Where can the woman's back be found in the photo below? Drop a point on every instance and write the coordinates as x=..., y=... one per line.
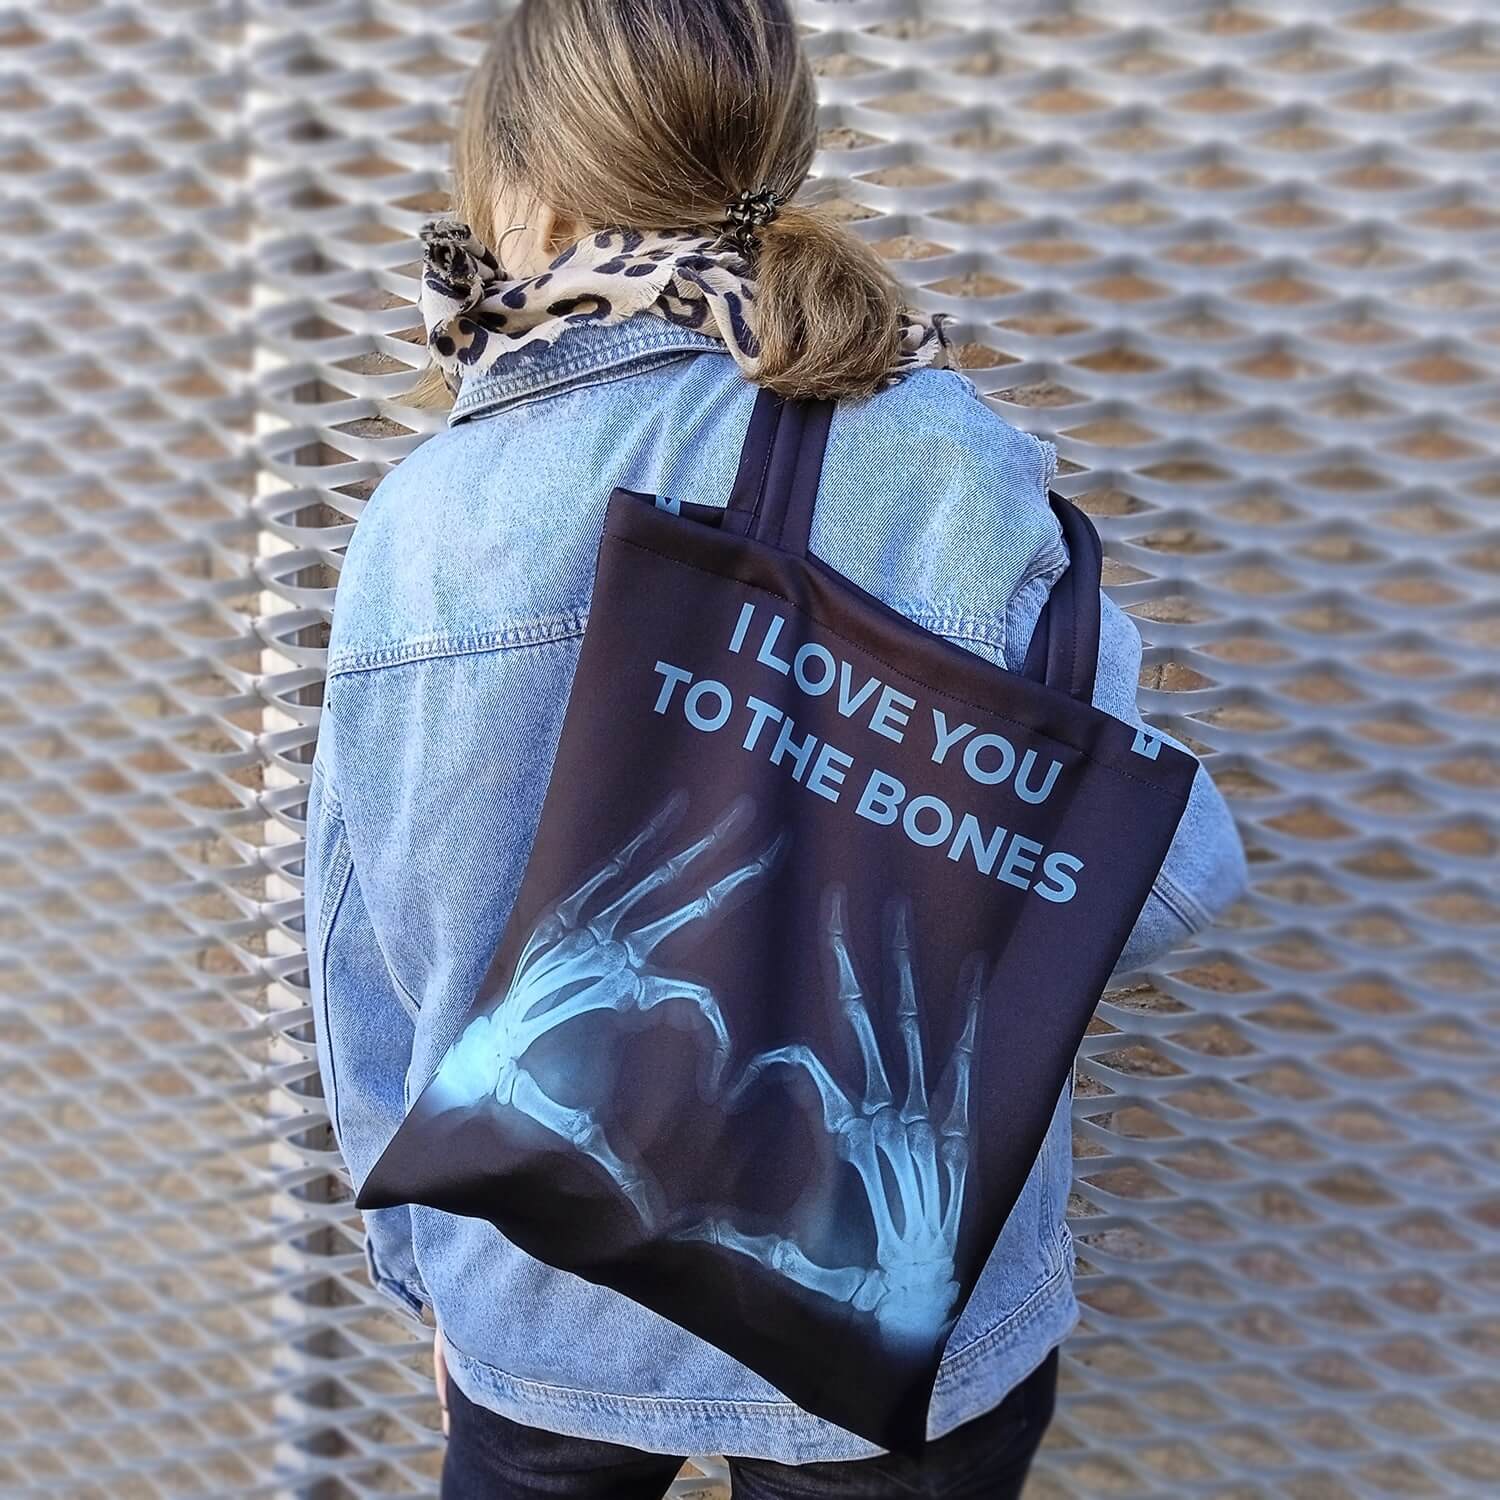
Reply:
x=456, y=631
x=928, y=499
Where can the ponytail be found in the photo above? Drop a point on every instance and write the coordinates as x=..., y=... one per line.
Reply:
x=654, y=115
x=827, y=310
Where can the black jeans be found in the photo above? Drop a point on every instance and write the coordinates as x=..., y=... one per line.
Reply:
x=491, y=1457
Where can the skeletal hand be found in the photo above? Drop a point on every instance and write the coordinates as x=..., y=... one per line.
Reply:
x=911, y=1287
x=571, y=966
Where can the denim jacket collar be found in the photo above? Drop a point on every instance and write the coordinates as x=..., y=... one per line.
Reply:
x=579, y=356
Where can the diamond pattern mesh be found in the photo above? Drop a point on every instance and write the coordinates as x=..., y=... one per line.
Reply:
x=1238, y=260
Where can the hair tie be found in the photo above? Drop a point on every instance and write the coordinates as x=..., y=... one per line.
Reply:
x=750, y=209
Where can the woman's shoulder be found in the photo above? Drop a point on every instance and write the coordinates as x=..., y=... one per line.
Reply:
x=929, y=488
x=929, y=499
x=942, y=412
x=428, y=561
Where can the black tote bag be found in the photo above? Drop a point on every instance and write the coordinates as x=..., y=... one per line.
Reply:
x=818, y=909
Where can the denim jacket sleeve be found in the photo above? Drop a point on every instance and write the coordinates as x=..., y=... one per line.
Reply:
x=1204, y=871
x=362, y=1058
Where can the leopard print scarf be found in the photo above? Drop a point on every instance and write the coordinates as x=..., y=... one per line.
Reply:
x=476, y=317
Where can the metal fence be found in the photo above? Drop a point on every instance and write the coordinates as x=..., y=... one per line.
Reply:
x=1241, y=261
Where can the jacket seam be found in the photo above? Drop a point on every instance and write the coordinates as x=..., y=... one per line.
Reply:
x=662, y=335
x=344, y=869
x=409, y=1001
x=1049, y=557
x=440, y=643
x=965, y=624
x=959, y=1359
x=1046, y=461
x=404, y=997
x=1181, y=903
x=646, y=358
x=319, y=776
x=560, y=371
x=403, y=1292
x=970, y=632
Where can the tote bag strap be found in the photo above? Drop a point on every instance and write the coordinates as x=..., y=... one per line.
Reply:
x=777, y=480
x=1064, y=649
x=772, y=499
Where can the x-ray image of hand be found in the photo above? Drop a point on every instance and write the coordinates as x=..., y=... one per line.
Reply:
x=910, y=1288
x=573, y=964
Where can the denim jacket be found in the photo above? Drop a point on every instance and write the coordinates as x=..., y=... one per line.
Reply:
x=456, y=629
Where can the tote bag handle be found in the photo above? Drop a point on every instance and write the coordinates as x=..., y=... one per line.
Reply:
x=772, y=499
x=1064, y=649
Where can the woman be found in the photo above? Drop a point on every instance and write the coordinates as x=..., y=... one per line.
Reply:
x=637, y=266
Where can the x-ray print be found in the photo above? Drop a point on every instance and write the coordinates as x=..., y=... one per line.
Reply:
x=591, y=953
x=914, y=1206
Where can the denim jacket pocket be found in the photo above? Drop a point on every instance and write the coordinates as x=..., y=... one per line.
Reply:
x=362, y=1028
x=363, y=1018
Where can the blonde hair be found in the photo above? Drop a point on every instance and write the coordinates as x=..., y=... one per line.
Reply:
x=654, y=114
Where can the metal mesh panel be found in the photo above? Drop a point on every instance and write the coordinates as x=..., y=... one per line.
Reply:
x=1239, y=261
x=139, y=1325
